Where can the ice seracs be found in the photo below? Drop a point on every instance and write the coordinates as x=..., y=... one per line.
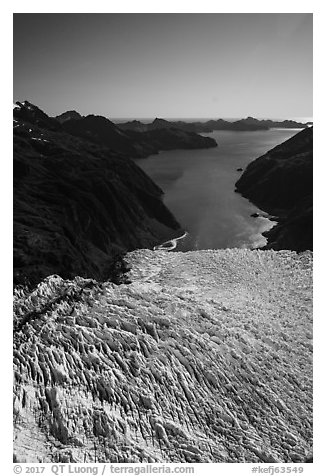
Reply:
x=203, y=357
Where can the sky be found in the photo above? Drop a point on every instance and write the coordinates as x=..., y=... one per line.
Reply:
x=166, y=65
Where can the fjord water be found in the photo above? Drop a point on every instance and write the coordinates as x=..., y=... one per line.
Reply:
x=199, y=188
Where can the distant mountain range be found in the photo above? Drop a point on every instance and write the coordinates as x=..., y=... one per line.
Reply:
x=248, y=124
x=133, y=142
x=281, y=183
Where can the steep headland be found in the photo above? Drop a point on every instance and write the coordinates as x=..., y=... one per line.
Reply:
x=77, y=205
x=281, y=183
x=203, y=357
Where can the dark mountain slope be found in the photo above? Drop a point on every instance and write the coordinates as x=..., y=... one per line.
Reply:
x=281, y=182
x=77, y=205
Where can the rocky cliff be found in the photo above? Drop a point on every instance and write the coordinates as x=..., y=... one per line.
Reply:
x=203, y=357
x=281, y=183
x=77, y=205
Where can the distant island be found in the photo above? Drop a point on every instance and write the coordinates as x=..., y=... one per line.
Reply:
x=248, y=124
